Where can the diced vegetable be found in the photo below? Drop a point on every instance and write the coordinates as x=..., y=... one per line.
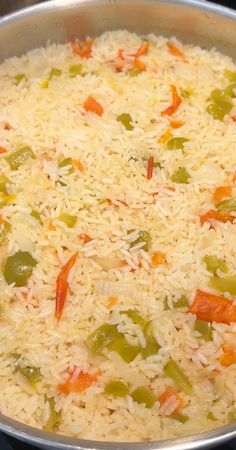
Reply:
x=54, y=416
x=224, y=284
x=176, y=143
x=5, y=228
x=19, y=77
x=78, y=383
x=6, y=199
x=182, y=418
x=85, y=237
x=165, y=304
x=230, y=90
x=134, y=72
x=230, y=75
x=32, y=374
x=36, y=215
x=67, y=162
x=142, y=50
x=229, y=356
x=176, y=123
x=210, y=416
x=2, y=150
x=180, y=176
x=145, y=237
x=221, y=104
x=151, y=347
x=165, y=137
x=117, y=389
x=3, y=184
x=143, y=395
x=44, y=84
x=138, y=64
x=126, y=351
x=213, y=264
x=17, y=158
x=212, y=215
x=18, y=268
x=82, y=48
x=227, y=205
x=68, y=219
x=135, y=317
x=62, y=286
x=150, y=167
x=182, y=302
x=213, y=308
x=75, y=69
x=126, y=120
x=232, y=416
x=158, y=258
x=222, y=192
x=55, y=73
x=79, y=165
x=186, y=92
x=92, y=105
x=100, y=338
x=204, y=329
x=175, y=51
x=170, y=401
x=175, y=373
x=176, y=102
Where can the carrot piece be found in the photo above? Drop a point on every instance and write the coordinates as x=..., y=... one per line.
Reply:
x=138, y=64
x=234, y=118
x=165, y=137
x=212, y=215
x=176, y=101
x=92, y=105
x=229, y=356
x=176, y=123
x=222, y=192
x=170, y=188
x=234, y=177
x=150, y=167
x=78, y=384
x=85, y=237
x=158, y=258
x=120, y=54
x=175, y=51
x=142, y=50
x=62, y=286
x=2, y=150
x=112, y=301
x=170, y=401
x=82, y=48
x=7, y=126
x=79, y=165
x=213, y=308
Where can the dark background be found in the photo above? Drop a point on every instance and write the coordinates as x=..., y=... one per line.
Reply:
x=6, y=6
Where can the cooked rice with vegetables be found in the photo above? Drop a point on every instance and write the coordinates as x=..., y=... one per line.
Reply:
x=118, y=237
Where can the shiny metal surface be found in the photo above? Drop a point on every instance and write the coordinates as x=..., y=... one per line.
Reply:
x=193, y=21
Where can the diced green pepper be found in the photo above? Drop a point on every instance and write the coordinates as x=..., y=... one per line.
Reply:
x=232, y=416
x=182, y=418
x=134, y=316
x=36, y=215
x=213, y=264
x=67, y=162
x=226, y=205
x=32, y=374
x=126, y=120
x=5, y=228
x=55, y=73
x=19, y=77
x=17, y=158
x=68, y=219
x=100, y=338
x=224, y=284
x=75, y=69
x=186, y=92
x=145, y=237
x=3, y=184
x=230, y=75
x=176, y=143
x=182, y=302
x=173, y=371
x=54, y=416
x=44, y=84
x=204, y=329
x=210, y=416
x=151, y=347
x=143, y=395
x=230, y=90
x=134, y=72
x=126, y=351
x=18, y=268
x=117, y=389
x=180, y=176
x=219, y=97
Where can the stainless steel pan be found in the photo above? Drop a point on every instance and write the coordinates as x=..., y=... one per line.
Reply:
x=193, y=21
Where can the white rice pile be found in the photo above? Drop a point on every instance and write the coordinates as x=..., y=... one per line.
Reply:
x=111, y=197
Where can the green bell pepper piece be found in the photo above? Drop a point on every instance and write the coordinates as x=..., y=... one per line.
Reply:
x=18, y=268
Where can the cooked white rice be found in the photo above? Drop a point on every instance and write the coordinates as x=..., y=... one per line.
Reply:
x=53, y=122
